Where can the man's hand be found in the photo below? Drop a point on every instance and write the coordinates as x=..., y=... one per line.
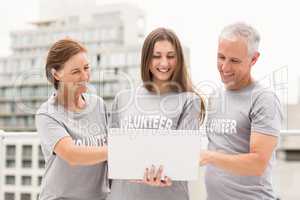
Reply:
x=205, y=157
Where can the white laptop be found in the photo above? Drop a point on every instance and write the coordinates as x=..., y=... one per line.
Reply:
x=131, y=151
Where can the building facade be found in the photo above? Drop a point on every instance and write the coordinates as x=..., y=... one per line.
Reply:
x=113, y=36
x=22, y=166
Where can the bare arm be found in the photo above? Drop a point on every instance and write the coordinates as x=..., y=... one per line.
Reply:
x=79, y=155
x=253, y=163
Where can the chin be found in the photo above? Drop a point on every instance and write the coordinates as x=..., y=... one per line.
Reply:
x=230, y=85
x=164, y=78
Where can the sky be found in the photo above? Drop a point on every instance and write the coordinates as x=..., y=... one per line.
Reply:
x=198, y=23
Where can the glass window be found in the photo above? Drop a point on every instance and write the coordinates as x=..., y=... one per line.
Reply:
x=10, y=163
x=27, y=151
x=9, y=196
x=25, y=196
x=26, y=163
x=10, y=151
x=26, y=180
x=40, y=178
x=26, y=156
x=10, y=180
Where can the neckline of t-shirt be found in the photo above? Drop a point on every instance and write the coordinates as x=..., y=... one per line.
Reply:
x=249, y=87
x=74, y=113
x=144, y=90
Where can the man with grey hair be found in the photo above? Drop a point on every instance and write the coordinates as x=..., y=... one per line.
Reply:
x=243, y=123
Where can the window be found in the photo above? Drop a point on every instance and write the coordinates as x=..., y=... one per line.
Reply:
x=10, y=156
x=10, y=151
x=10, y=163
x=12, y=106
x=26, y=156
x=9, y=92
x=10, y=180
x=292, y=155
x=25, y=196
x=9, y=196
x=27, y=151
x=26, y=163
x=41, y=163
x=26, y=180
x=40, y=178
x=1, y=89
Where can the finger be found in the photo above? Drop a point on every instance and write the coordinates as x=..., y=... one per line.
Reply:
x=146, y=175
x=158, y=175
x=152, y=174
x=167, y=182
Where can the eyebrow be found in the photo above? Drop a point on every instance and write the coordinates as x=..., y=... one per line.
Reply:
x=167, y=52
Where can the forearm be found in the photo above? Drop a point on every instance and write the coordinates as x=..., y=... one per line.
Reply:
x=82, y=155
x=248, y=164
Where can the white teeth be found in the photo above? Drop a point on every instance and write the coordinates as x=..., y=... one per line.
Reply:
x=164, y=70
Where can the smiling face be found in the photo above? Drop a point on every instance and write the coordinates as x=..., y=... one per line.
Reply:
x=234, y=63
x=74, y=76
x=163, y=62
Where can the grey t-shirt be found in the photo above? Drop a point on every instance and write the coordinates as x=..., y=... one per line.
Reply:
x=232, y=117
x=141, y=109
x=86, y=128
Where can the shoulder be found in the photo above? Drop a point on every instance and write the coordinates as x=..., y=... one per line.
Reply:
x=94, y=98
x=260, y=94
x=49, y=107
x=190, y=97
x=126, y=95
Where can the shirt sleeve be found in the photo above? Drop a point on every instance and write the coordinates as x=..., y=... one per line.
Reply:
x=50, y=132
x=190, y=117
x=266, y=115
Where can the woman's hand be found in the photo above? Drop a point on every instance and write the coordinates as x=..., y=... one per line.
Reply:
x=154, y=177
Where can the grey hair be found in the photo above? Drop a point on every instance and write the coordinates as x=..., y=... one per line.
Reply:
x=247, y=32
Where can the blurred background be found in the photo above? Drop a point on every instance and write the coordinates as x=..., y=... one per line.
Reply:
x=113, y=31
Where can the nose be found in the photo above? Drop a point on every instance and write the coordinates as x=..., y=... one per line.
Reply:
x=164, y=61
x=225, y=66
x=85, y=75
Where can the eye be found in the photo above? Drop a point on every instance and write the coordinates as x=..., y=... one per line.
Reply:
x=86, y=68
x=221, y=57
x=171, y=56
x=75, y=72
x=235, y=61
x=155, y=56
